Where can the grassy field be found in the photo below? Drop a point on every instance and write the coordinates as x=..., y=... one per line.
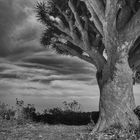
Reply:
x=10, y=131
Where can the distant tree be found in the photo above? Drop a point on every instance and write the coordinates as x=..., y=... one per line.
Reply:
x=55, y=111
x=90, y=28
x=29, y=112
x=6, y=112
x=19, y=115
x=3, y=110
x=72, y=106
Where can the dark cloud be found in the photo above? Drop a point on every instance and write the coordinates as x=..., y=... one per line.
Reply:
x=9, y=18
x=62, y=65
x=28, y=34
x=60, y=68
x=18, y=26
x=9, y=76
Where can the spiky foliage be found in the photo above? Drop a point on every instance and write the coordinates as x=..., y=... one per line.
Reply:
x=62, y=33
x=73, y=28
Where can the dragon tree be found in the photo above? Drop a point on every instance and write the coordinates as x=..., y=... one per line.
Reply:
x=106, y=34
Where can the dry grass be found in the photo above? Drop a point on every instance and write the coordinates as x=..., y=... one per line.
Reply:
x=11, y=131
x=116, y=133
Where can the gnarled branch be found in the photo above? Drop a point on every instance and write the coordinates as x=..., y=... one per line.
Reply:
x=98, y=58
x=62, y=27
x=90, y=50
x=99, y=9
x=132, y=30
x=80, y=27
x=77, y=18
x=75, y=53
x=112, y=7
x=95, y=18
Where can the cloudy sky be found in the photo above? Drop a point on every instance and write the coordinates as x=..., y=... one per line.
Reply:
x=36, y=75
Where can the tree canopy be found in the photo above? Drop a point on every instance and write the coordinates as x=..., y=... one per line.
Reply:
x=75, y=27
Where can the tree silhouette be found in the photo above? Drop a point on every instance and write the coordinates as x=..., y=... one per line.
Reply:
x=89, y=29
x=72, y=106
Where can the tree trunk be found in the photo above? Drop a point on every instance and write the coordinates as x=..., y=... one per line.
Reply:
x=116, y=97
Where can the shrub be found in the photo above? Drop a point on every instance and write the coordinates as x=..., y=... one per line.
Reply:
x=29, y=112
x=72, y=106
x=6, y=112
x=19, y=116
x=24, y=113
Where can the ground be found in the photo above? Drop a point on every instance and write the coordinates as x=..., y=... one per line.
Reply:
x=37, y=131
x=32, y=131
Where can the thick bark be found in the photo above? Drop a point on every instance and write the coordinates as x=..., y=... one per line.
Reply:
x=116, y=97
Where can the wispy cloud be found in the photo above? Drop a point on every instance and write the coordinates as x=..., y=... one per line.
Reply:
x=47, y=76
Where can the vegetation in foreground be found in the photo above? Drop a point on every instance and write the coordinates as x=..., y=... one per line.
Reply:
x=37, y=131
x=24, y=123
x=69, y=114
x=25, y=128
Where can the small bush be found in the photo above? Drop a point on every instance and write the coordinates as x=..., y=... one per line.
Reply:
x=24, y=113
x=72, y=106
x=6, y=112
x=29, y=112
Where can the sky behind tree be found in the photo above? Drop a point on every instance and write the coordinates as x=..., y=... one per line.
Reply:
x=30, y=72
